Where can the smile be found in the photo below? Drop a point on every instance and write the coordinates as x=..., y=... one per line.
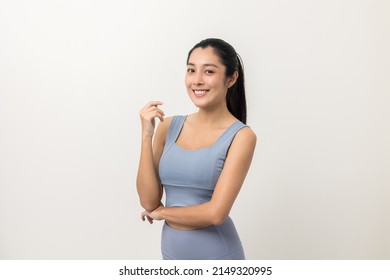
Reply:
x=200, y=92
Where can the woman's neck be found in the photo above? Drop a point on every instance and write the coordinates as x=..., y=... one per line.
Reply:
x=210, y=118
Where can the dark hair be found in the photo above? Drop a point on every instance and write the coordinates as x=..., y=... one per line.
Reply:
x=235, y=98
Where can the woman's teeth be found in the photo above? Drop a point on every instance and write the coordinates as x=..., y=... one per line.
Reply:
x=200, y=92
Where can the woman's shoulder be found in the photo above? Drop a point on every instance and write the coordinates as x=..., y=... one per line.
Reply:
x=243, y=144
x=168, y=120
x=163, y=126
x=246, y=136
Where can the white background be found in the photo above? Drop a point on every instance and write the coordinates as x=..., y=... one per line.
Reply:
x=74, y=74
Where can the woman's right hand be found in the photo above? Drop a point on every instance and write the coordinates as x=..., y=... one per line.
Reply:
x=148, y=114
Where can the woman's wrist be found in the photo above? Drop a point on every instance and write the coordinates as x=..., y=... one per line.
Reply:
x=160, y=212
x=147, y=137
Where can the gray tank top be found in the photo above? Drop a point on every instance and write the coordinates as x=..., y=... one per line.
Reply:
x=189, y=176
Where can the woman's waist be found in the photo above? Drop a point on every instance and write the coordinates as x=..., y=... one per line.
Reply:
x=226, y=224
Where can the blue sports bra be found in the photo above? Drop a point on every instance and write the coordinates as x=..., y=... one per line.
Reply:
x=189, y=176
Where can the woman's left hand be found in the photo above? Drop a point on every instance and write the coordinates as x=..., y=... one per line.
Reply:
x=154, y=215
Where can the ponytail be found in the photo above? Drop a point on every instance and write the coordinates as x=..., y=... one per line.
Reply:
x=235, y=98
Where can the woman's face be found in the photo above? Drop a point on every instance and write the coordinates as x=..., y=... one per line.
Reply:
x=205, y=79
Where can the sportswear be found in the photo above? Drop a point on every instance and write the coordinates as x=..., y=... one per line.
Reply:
x=189, y=178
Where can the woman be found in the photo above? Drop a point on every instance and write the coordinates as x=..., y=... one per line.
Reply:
x=200, y=160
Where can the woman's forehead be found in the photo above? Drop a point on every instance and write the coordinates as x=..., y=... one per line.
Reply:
x=202, y=56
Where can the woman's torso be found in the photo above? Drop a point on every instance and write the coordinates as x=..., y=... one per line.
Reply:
x=189, y=178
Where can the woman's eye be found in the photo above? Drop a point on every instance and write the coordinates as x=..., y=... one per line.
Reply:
x=189, y=70
x=209, y=72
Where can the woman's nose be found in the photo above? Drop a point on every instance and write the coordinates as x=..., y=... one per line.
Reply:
x=198, y=79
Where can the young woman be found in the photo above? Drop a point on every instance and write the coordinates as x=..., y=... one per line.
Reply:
x=200, y=160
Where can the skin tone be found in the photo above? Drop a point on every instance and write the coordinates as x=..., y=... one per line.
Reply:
x=207, y=87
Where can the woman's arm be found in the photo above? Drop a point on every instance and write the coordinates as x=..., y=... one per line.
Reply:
x=148, y=184
x=228, y=186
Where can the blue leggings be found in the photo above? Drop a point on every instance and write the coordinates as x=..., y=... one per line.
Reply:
x=220, y=242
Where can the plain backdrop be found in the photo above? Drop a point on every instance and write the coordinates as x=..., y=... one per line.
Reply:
x=74, y=75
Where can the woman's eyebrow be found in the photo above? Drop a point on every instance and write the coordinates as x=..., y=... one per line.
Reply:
x=206, y=64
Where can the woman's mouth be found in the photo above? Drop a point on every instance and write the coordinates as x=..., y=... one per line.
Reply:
x=200, y=92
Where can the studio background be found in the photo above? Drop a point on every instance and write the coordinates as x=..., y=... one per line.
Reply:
x=74, y=75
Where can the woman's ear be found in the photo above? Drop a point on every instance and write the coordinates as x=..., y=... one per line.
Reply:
x=232, y=79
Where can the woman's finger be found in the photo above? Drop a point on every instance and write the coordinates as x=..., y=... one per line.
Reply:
x=155, y=103
x=148, y=114
x=152, y=110
x=152, y=104
x=151, y=113
x=146, y=214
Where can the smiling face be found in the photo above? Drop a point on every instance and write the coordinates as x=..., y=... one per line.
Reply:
x=205, y=80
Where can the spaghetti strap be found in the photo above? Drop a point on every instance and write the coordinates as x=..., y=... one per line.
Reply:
x=227, y=137
x=174, y=131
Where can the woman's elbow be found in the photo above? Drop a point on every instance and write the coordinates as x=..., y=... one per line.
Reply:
x=149, y=206
x=218, y=217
